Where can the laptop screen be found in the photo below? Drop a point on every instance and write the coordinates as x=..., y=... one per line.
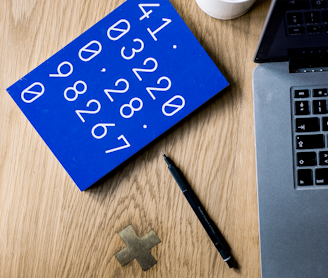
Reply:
x=295, y=28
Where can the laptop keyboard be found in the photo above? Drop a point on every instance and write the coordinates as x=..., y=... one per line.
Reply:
x=305, y=17
x=310, y=136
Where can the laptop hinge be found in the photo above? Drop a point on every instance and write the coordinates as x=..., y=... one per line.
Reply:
x=308, y=60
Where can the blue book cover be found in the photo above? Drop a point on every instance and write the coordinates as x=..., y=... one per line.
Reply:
x=117, y=87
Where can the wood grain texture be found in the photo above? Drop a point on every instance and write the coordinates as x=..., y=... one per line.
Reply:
x=48, y=228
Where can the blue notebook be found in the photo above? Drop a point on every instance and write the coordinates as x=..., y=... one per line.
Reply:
x=117, y=87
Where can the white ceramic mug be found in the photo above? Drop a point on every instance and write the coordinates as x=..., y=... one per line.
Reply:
x=225, y=9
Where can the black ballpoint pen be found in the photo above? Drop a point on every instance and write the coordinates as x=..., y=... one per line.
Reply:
x=207, y=223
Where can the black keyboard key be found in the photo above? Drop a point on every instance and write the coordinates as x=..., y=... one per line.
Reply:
x=312, y=17
x=296, y=30
x=301, y=93
x=315, y=29
x=298, y=4
x=319, y=106
x=321, y=176
x=304, y=142
x=318, y=4
x=320, y=92
x=306, y=159
x=325, y=124
x=324, y=16
x=307, y=124
x=305, y=177
x=302, y=108
x=294, y=18
x=323, y=158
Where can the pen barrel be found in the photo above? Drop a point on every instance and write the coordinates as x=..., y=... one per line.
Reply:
x=209, y=226
x=177, y=175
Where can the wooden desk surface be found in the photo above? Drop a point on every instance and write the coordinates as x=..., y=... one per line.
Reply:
x=48, y=228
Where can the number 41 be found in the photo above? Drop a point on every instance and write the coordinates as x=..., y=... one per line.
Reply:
x=146, y=15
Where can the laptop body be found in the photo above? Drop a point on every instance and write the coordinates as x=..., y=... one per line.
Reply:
x=291, y=118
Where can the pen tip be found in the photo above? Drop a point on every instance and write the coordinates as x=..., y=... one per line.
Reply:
x=166, y=159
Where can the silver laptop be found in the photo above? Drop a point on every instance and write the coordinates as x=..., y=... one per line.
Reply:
x=290, y=87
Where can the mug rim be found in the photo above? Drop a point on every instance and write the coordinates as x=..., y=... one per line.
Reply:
x=235, y=1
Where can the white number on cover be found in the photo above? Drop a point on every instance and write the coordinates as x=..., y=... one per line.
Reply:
x=36, y=94
x=75, y=90
x=130, y=106
x=107, y=91
x=79, y=112
x=134, y=51
x=59, y=70
x=176, y=106
x=146, y=14
x=88, y=50
x=166, y=20
x=119, y=30
x=127, y=144
x=151, y=89
x=136, y=70
x=104, y=127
